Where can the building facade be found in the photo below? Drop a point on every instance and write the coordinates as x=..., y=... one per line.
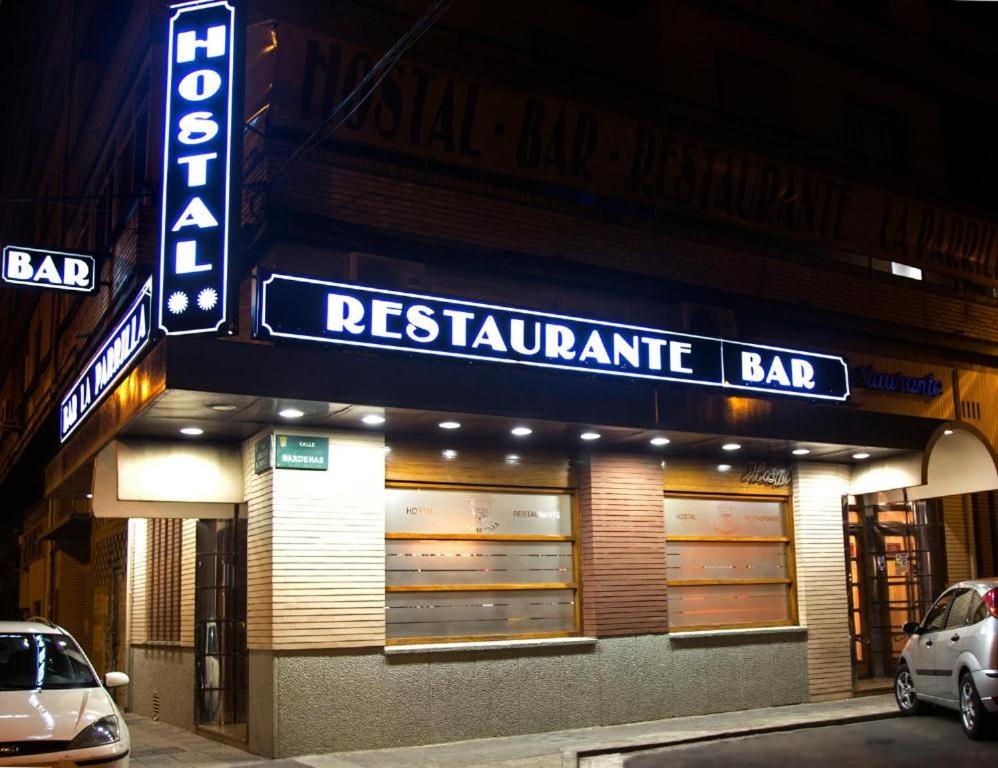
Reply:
x=609, y=362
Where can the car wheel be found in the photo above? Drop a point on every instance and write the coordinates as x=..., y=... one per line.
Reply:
x=904, y=693
x=974, y=717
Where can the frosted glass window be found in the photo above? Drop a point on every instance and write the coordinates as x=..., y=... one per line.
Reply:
x=742, y=604
x=432, y=511
x=719, y=574
x=465, y=565
x=478, y=562
x=723, y=517
x=475, y=614
x=689, y=560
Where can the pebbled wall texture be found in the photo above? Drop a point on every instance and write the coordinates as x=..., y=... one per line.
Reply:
x=362, y=700
x=168, y=672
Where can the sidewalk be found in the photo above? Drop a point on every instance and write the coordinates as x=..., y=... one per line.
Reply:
x=157, y=745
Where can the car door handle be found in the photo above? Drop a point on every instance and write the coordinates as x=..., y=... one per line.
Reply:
x=955, y=638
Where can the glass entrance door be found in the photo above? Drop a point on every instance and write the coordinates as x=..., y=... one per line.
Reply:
x=895, y=568
x=220, y=626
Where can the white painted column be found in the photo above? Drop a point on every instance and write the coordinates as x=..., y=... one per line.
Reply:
x=821, y=576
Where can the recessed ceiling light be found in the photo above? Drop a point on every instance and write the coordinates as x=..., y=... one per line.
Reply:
x=373, y=419
x=89, y=495
x=223, y=407
x=521, y=431
x=800, y=451
x=449, y=454
x=590, y=435
x=723, y=467
x=731, y=447
x=290, y=413
x=192, y=431
x=659, y=441
x=947, y=431
x=449, y=425
x=861, y=456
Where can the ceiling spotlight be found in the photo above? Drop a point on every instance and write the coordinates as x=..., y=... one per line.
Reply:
x=723, y=467
x=192, y=431
x=731, y=447
x=222, y=407
x=861, y=456
x=521, y=431
x=590, y=435
x=800, y=451
x=449, y=454
x=89, y=495
x=373, y=419
x=449, y=425
x=947, y=431
x=659, y=441
x=290, y=413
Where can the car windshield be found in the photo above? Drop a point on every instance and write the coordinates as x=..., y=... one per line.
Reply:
x=31, y=661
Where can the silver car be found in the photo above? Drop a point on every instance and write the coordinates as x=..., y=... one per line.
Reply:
x=951, y=658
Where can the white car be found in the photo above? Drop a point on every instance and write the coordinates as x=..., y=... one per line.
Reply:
x=54, y=709
x=951, y=658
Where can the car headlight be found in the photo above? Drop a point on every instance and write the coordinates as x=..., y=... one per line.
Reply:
x=97, y=734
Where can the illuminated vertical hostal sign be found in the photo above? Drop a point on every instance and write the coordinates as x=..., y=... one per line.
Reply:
x=197, y=163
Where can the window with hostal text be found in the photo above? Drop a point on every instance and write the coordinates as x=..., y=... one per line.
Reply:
x=479, y=564
x=729, y=562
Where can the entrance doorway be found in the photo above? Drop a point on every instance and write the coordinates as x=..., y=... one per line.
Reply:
x=895, y=568
x=220, y=628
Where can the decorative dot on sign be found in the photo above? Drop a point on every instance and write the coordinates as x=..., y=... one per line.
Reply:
x=207, y=298
x=521, y=431
x=177, y=303
x=373, y=419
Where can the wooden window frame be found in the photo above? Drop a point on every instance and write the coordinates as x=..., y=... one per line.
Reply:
x=575, y=585
x=787, y=540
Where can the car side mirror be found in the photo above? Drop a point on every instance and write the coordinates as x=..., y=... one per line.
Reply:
x=911, y=628
x=115, y=679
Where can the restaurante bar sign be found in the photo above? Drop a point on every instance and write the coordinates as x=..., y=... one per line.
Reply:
x=297, y=307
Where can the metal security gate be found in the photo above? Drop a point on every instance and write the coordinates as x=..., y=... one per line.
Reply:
x=220, y=623
x=895, y=568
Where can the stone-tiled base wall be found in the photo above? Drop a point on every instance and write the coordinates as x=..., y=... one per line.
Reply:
x=168, y=672
x=362, y=700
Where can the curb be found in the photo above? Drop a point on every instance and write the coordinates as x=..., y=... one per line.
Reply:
x=572, y=759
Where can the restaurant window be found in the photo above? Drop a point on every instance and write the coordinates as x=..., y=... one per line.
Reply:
x=729, y=562
x=479, y=564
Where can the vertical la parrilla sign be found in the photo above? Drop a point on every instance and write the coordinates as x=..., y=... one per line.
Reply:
x=197, y=168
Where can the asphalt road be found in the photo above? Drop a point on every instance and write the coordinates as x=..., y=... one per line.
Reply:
x=935, y=740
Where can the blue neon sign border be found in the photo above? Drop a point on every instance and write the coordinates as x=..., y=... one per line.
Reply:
x=181, y=8
x=723, y=384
